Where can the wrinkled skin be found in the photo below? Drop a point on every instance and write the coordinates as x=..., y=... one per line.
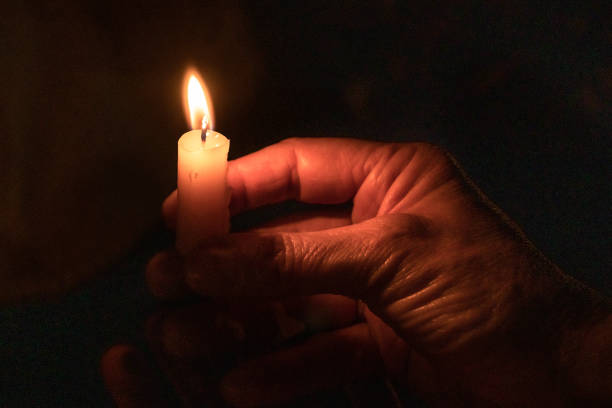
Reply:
x=438, y=289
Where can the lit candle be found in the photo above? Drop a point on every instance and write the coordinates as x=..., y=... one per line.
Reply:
x=203, y=195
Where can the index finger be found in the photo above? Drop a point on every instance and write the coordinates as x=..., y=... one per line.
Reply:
x=311, y=170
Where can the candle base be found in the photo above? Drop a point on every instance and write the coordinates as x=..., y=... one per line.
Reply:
x=203, y=196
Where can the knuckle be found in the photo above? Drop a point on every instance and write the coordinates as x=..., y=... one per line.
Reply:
x=284, y=261
x=291, y=141
x=400, y=238
x=284, y=251
x=396, y=227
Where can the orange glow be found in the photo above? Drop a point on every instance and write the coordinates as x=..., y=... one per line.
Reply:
x=198, y=107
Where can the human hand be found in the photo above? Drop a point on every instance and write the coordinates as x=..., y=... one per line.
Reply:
x=458, y=305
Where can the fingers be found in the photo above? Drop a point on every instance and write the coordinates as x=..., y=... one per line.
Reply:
x=196, y=344
x=130, y=379
x=321, y=170
x=213, y=332
x=323, y=312
x=311, y=170
x=184, y=363
x=165, y=278
x=324, y=361
x=348, y=260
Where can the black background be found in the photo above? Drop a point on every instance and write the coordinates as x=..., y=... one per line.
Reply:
x=518, y=91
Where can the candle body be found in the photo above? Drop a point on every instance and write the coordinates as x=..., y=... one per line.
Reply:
x=203, y=195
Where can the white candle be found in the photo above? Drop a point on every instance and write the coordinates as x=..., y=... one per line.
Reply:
x=203, y=195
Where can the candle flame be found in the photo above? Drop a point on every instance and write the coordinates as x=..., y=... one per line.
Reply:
x=198, y=103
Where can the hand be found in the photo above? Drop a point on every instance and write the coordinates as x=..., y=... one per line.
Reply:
x=459, y=306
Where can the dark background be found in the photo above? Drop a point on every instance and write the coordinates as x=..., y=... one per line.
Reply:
x=519, y=92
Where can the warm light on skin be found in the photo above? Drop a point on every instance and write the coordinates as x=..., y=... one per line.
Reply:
x=198, y=104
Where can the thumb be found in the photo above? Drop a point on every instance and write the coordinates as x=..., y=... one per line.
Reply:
x=350, y=260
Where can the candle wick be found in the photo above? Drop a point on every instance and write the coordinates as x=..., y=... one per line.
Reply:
x=204, y=127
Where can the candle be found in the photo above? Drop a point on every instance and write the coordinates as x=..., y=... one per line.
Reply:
x=203, y=195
